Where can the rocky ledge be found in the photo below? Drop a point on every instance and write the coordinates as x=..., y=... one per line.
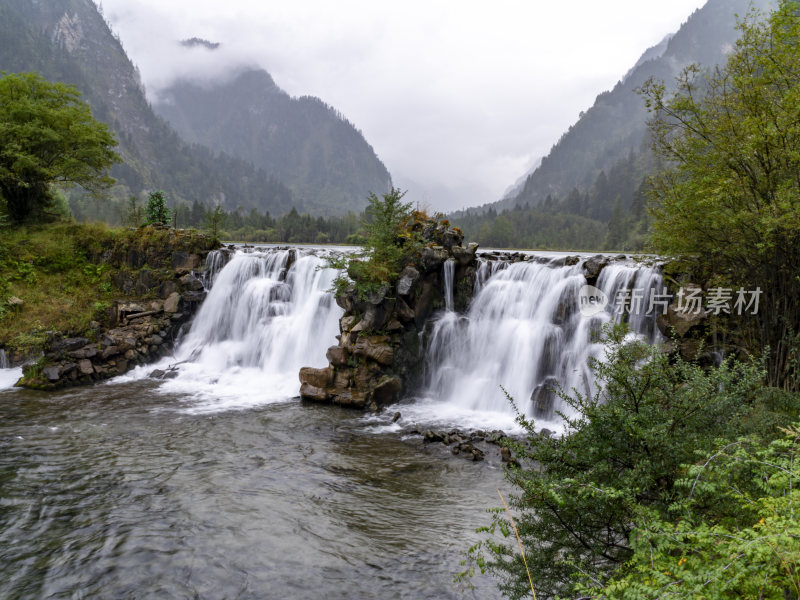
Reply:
x=379, y=354
x=144, y=332
x=163, y=273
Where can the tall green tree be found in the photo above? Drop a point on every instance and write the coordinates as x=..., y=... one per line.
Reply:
x=156, y=211
x=730, y=197
x=48, y=136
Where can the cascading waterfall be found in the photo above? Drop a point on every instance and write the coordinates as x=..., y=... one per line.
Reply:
x=448, y=272
x=524, y=331
x=215, y=262
x=267, y=314
x=8, y=375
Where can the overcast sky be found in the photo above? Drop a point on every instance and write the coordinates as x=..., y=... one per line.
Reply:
x=458, y=98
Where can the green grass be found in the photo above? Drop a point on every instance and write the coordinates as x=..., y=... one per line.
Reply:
x=63, y=274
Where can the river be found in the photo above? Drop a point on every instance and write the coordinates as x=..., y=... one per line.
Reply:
x=122, y=491
x=219, y=483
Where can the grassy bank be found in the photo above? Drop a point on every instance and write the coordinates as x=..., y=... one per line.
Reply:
x=67, y=275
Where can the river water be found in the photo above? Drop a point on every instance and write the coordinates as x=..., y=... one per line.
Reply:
x=123, y=491
x=219, y=483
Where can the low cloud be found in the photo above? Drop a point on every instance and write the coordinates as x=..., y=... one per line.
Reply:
x=456, y=98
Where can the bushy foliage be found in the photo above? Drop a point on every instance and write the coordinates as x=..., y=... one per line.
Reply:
x=730, y=195
x=390, y=240
x=625, y=451
x=48, y=136
x=732, y=532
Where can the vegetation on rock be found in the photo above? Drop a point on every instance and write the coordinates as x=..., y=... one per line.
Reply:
x=391, y=239
x=64, y=276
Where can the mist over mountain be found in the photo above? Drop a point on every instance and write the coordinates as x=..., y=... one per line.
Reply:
x=302, y=142
x=589, y=191
x=616, y=124
x=323, y=157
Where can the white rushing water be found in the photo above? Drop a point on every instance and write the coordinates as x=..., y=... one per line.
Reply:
x=8, y=376
x=523, y=331
x=266, y=315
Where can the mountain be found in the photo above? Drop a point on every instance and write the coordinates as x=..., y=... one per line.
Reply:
x=615, y=125
x=70, y=41
x=302, y=142
x=589, y=192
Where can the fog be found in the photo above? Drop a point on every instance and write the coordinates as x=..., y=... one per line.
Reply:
x=457, y=98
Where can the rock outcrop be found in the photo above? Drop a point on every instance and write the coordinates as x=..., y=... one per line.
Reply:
x=163, y=272
x=380, y=352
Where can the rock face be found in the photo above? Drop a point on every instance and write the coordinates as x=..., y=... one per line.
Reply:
x=164, y=277
x=379, y=354
x=687, y=328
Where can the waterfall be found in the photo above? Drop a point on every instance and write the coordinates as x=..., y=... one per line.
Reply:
x=524, y=331
x=8, y=375
x=267, y=314
x=448, y=271
x=215, y=262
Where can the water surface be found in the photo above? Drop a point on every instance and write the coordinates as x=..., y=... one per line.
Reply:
x=123, y=491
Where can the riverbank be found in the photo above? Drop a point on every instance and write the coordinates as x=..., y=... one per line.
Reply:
x=73, y=295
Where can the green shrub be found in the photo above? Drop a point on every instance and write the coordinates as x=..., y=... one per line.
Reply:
x=389, y=243
x=733, y=532
x=625, y=451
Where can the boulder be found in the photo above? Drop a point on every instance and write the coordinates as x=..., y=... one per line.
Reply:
x=463, y=256
x=185, y=262
x=85, y=367
x=167, y=288
x=319, y=378
x=311, y=392
x=543, y=398
x=593, y=266
x=68, y=344
x=374, y=348
x=85, y=352
x=433, y=257
x=406, y=280
x=337, y=356
x=109, y=351
x=388, y=390
x=424, y=304
x=190, y=282
x=52, y=373
x=347, y=323
x=172, y=302
x=403, y=311
x=681, y=321
x=195, y=297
